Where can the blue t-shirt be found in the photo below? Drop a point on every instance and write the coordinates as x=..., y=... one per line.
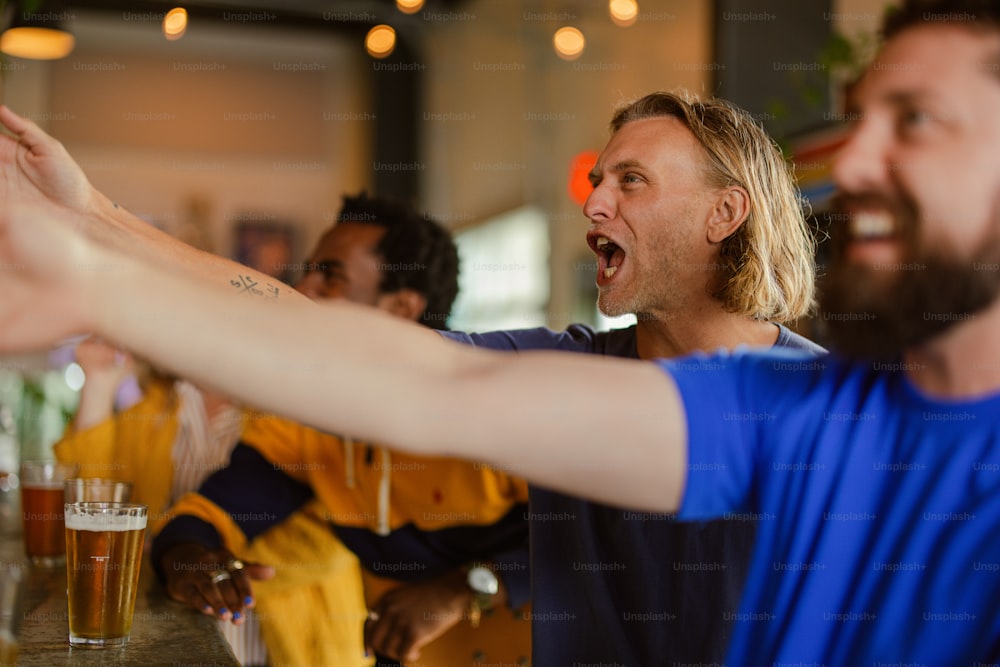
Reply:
x=878, y=509
x=616, y=587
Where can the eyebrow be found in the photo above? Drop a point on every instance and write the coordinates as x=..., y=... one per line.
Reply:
x=894, y=98
x=903, y=98
x=624, y=165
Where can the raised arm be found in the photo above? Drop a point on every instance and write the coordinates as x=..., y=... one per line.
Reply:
x=610, y=430
x=34, y=167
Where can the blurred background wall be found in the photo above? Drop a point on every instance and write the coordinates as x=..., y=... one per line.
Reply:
x=265, y=112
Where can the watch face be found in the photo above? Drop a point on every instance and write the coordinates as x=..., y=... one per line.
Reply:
x=482, y=580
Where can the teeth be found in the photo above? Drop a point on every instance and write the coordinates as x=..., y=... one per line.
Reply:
x=610, y=271
x=601, y=242
x=869, y=225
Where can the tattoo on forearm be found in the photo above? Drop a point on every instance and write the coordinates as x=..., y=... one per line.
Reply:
x=248, y=285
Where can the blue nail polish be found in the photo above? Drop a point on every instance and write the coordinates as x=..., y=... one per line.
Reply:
x=237, y=616
x=223, y=610
x=248, y=599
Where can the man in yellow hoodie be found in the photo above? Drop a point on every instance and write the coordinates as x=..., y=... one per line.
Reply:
x=417, y=524
x=312, y=611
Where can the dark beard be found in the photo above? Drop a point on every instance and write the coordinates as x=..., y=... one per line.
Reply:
x=878, y=322
x=877, y=314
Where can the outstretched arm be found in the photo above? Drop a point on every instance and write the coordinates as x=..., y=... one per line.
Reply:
x=34, y=167
x=612, y=430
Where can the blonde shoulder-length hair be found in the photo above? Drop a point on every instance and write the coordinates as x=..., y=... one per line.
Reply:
x=768, y=264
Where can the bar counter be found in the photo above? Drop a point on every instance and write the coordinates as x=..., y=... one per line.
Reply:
x=164, y=632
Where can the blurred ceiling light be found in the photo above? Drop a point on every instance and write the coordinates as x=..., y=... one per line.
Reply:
x=409, y=6
x=380, y=41
x=623, y=12
x=39, y=35
x=568, y=42
x=175, y=23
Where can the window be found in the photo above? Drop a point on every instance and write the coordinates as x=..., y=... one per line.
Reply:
x=504, y=274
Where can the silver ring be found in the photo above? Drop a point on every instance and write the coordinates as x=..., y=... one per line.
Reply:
x=220, y=575
x=234, y=564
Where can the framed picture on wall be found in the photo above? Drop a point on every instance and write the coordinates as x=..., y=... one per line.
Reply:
x=269, y=247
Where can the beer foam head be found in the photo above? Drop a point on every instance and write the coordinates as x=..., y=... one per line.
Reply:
x=103, y=520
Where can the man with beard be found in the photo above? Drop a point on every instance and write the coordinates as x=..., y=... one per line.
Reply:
x=698, y=231
x=875, y=482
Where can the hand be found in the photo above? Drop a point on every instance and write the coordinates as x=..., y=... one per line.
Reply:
x=42, y=262
x=408, y=617
x=34, y=166
x=213, y=582
x=99, y=359
x=105, y=367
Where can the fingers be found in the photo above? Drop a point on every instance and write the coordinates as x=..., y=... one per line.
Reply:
x=207, y=593
x=259, y=572
x=391, y=636
x=216, y=594
x=95, y=349
x=369, y=626
x=217, y=584
x=28, y=132
x=239, y=582
x=377, y=634
x=103, y=363
x=16, y=124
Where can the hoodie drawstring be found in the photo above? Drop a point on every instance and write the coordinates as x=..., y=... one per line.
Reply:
x=384, y=483
x=384, y=487
x=349, y=462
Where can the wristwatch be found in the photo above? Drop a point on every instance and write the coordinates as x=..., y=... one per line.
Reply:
x=484, y=586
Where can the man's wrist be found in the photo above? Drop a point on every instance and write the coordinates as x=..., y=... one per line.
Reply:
x=100, y=206
x=485, y=590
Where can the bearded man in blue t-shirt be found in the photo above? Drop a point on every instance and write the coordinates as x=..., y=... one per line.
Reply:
x=874, y=475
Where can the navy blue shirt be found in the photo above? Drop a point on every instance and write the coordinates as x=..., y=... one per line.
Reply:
x=625, y=588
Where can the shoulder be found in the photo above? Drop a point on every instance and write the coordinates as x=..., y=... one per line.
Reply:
x=575, y=338
x=789, y=339
x=755, y=374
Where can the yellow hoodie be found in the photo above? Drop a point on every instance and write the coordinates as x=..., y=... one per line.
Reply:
x=312, y=612
x=408, y=518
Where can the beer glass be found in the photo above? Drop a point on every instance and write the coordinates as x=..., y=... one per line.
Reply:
x=103, y=555
x=42, y=509
x=94, y=489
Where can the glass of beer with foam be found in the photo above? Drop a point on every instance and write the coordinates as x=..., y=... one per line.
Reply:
x=42, y=499
x=103, y=557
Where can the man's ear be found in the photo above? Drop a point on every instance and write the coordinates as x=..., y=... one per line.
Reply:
x=406, y=303
x=731, y=208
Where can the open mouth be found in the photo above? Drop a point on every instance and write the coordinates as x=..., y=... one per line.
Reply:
x=873, y=236
x=871, y=226
x=610, y=257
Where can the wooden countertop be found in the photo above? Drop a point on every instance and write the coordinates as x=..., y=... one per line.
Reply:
x=164, y=632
